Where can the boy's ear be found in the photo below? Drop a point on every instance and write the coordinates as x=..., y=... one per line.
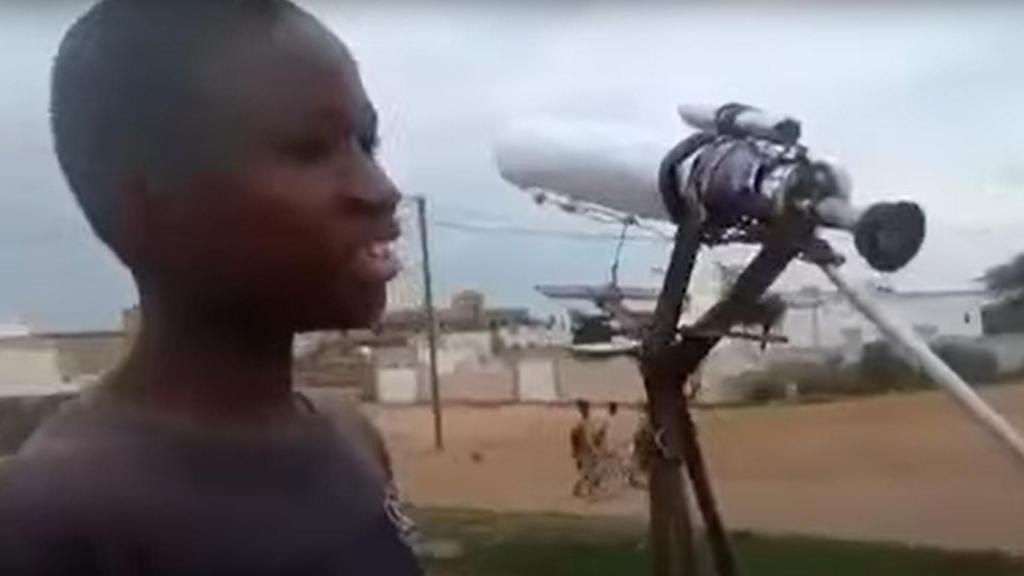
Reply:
x=132, y=224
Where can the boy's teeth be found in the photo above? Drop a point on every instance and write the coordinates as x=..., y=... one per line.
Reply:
x=380, y=250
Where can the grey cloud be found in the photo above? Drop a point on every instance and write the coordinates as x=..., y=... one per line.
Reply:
x=917, y=101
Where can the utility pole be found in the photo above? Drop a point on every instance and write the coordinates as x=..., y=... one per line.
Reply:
x=428, y=306
x=816, y=301
x=816, y=323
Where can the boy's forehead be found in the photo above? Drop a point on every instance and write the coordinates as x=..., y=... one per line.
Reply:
x=302, y=71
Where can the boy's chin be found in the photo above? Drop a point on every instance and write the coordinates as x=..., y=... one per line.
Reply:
x=326, y=322
x=352, y=310
x=351, y=315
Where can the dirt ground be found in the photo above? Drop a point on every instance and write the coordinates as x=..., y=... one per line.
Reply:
x=907, y=468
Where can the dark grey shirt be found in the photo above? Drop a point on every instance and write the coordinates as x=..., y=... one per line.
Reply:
x=102, y=489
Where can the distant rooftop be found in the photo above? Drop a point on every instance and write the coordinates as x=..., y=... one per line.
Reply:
x=597, y=292
x=8, y=330
x=467, y=312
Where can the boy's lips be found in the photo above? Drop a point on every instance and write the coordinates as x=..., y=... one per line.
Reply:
x=378, y=261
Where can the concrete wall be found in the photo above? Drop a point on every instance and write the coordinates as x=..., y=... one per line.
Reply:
x=397, y=386
x=614, y=378
x=490, y=382
x=536, y=380
x=470, y=372
x=27, y=363
x=409, y=385
x=471, y=367
x=463, y=350
x=89, y=354
x=49, y=362
x=467, y=372
x=550, y=375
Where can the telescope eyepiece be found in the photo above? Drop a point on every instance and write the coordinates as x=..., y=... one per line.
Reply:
x=889, y=234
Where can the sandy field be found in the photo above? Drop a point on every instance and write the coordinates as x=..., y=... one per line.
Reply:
x=907, y=468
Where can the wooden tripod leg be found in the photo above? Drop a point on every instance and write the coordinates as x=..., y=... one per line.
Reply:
x=659, y=486
x=676, y=362
x=718, y=539
x=671, y=536
x=671, y=529
x=685, y=556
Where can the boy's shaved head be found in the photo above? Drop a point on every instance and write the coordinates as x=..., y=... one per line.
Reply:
x=225, y=150
x=128, y=89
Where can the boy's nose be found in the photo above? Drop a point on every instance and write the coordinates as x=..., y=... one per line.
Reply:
x=378, y=203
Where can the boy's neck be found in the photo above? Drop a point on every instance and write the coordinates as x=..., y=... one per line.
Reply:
x=206, y=369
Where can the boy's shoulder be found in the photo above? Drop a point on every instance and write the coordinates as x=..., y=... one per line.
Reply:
x=45, y=498
x=89, y=467
x=352, y=424
x=69, y=460
x=87, y=443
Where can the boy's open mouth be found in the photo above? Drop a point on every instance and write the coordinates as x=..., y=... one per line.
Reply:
x=378, y=261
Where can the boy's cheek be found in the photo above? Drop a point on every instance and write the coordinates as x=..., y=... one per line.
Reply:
x=283, y=217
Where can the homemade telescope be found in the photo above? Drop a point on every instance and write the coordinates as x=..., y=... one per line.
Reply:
x=743, y=168
x=741, y=176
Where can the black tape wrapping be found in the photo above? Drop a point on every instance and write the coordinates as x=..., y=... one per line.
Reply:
x=668, y=175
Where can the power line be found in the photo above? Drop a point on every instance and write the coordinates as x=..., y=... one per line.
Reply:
x=506, y=230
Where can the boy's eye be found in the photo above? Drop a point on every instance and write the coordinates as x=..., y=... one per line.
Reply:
x=369, y=143
x=309, y=149
x=366, y=131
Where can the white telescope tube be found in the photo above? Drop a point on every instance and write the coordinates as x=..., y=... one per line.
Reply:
x=1002, y=431
x=605, y=164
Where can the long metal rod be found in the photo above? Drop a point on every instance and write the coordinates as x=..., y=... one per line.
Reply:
x=1002, y=431
x=428, y=304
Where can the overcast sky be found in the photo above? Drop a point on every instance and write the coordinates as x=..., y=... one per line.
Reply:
x=922, y=102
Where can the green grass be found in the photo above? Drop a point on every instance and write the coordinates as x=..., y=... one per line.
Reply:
x=548, y=545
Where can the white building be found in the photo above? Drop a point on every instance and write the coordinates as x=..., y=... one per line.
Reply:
x=12, y=329
x=818, y=318
x=47, y=363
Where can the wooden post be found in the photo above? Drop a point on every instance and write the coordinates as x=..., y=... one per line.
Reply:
x=680, y=359
x=671, y=535
x=428, y=305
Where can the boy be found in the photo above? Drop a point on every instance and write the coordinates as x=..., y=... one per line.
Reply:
x=608, y=428
x=224, y=150
x=644, y=450
x=585, y=447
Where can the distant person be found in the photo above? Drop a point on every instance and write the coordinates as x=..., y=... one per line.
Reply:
x=614, y=439
x=618, y=436
x=644, y=450
x=225, y=151
x=585, y=444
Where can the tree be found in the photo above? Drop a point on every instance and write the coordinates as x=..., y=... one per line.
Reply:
x=1007, y=280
